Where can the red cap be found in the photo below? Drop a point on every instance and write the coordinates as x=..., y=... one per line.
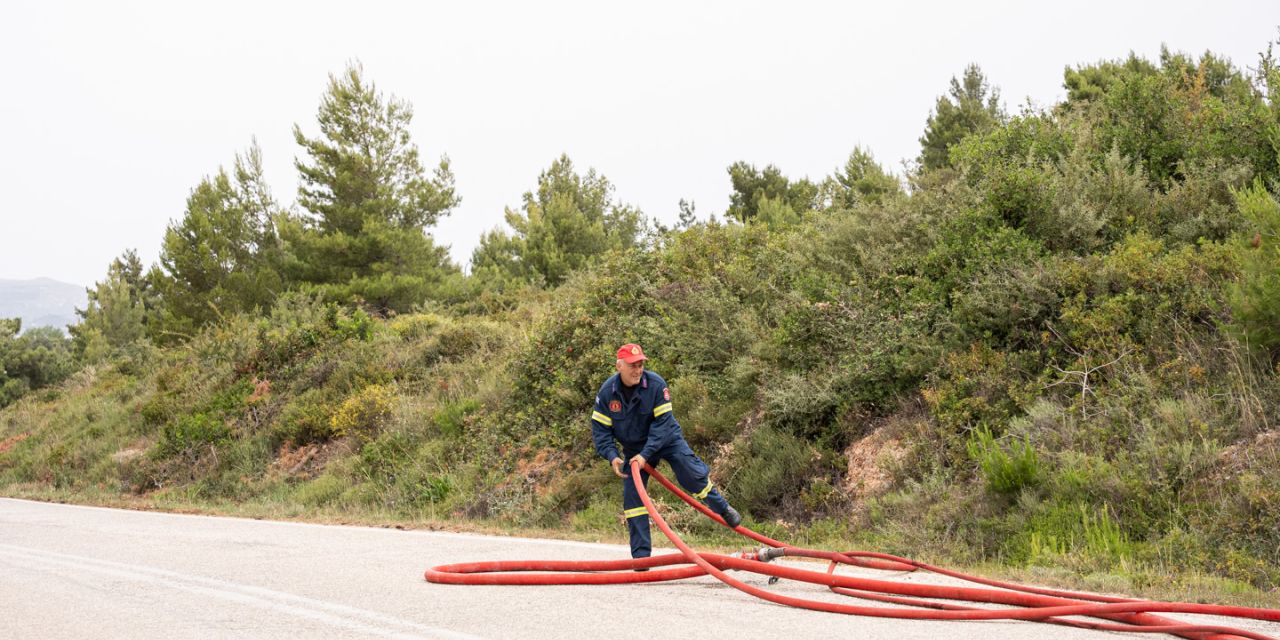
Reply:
x=630, y=353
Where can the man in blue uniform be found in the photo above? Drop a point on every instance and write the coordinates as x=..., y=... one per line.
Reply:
x=633, y=407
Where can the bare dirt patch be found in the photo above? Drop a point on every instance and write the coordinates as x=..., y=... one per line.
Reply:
x=1242, y=455
x=869, y=458
x=305, y=461
x=540, y=469
x=125, y=455
x=9, y=443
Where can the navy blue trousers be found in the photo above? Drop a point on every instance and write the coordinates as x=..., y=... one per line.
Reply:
x=692, y=475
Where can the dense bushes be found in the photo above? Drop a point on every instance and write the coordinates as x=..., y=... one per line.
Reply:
x=32, y=360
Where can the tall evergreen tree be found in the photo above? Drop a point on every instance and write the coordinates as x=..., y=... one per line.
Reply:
x=368, y=201
x=1255, y=297
x=562, y=226
x=688, y=214
x=122, y=309
x=224, y=256
x=970, y=106
x=861, y=179
x=757, y=191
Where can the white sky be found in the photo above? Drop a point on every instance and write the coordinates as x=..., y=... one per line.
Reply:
x=110, y=112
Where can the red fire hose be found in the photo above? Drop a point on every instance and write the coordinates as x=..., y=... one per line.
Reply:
x=1044, y=605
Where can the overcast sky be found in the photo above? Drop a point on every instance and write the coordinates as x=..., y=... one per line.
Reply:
x=110, y=112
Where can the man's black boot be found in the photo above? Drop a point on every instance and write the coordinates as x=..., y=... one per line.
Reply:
x=732, y=517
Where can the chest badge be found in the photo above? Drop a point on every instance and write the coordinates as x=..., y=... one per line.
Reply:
x=615, y=406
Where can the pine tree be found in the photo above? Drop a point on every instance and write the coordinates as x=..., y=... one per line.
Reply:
x=563, y=226
x=368, y=202
x=122, y=309
x=970, y=106
x=224, y=256
x=688, y=214
x=1255, y=297
x=755, y=190
x=861, y=179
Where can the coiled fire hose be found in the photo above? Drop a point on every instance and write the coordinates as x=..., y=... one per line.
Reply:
x=1038, y=604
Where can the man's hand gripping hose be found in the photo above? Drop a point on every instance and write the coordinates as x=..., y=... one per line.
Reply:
x=1038, y=604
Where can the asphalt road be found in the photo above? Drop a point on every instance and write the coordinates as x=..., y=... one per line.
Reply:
x=86, y=572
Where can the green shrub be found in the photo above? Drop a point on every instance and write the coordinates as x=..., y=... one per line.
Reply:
x=1103, y=536
x=1233, y=507
x=453, y=341
x=354, y=365
x=1255, y=298
x=1006, y=472
x=38, y=358
x=1006, y=305
x=305, y=419
x=1202, y=206
x=803, y=407
x=415, y=325
x=1141, y=292
x=354, y=324
x=451, y=418
x=772, y=470
x=137, y=358
x=232, y=399
x=364, y=413
x=189, y=433
x=1179, y=112
x=708, y=419
x=970, y=243
x=298, y=322
x=158, y=408
x=425, y=489
x=380, y=460
x=978, y=386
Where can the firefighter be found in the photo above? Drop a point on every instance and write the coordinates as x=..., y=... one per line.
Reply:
x=633, y=407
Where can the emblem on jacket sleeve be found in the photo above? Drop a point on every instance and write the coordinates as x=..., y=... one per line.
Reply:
x=615, y=406
x=666, y=394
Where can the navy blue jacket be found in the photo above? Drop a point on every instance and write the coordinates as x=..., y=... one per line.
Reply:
x=646, y=423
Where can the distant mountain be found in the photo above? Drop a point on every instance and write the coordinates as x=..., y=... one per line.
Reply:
x=41, y=302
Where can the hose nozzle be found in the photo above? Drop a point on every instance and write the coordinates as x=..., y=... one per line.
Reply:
x=767, y=554
x=762, y=554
